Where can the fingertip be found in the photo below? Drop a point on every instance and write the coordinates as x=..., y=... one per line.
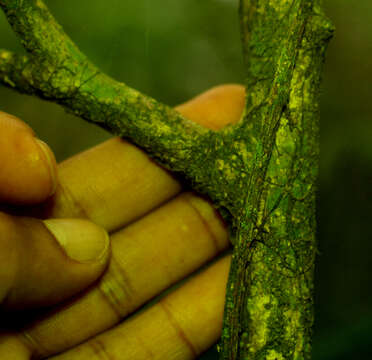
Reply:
x=28, y=167
x=82, y=240
x=216, y=108
x=46, y=262
x=8, y=121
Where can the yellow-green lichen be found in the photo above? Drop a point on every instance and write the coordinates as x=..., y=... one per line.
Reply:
x=5, y=55
x=229, y=173
x=274, y=355
x=258, y=314
x=220, y=164
x=285, y=140
x=292, y=333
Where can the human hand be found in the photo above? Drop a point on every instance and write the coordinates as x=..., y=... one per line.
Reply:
x=159, y=236
x=35, y=269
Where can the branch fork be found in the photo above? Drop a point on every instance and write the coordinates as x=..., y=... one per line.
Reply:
x=260, y=173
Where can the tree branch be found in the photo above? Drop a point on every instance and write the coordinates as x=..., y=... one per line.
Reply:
x=55, y=69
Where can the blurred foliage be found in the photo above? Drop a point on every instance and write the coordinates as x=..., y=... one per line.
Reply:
x=173, y=50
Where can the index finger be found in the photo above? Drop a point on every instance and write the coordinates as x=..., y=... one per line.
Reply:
x=116, y=183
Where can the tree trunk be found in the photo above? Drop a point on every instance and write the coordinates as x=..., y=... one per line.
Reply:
x=260, y=173
x=269, y=304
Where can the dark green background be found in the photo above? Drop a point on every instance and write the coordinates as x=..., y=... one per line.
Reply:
x=173, y=50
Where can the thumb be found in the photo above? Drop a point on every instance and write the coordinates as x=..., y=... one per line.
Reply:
x=45, y=262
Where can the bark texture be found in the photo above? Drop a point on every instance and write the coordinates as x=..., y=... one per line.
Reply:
x=260, y=173
x=269, y=304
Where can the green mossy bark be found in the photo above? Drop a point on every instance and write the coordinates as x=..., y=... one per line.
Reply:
x=269, y=306
x=260, y=173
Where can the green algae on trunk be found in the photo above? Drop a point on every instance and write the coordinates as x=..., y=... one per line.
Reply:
x=269, y=303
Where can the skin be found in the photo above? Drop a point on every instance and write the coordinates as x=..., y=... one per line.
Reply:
x=159, y=234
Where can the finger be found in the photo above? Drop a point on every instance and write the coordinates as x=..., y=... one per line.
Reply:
x=70, y=204
x=217, y=107
x=42, y=263
x=28, y=167
x=147, y=257
x=115, y=183
x=111, y=184
x=179, y=327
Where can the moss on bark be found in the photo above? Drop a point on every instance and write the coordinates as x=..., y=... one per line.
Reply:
x=269, y=306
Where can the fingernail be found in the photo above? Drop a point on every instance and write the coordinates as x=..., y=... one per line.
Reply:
x=49, y=156
x=81, y=240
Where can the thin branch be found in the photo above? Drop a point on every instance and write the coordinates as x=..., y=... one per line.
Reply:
x=55, y=69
